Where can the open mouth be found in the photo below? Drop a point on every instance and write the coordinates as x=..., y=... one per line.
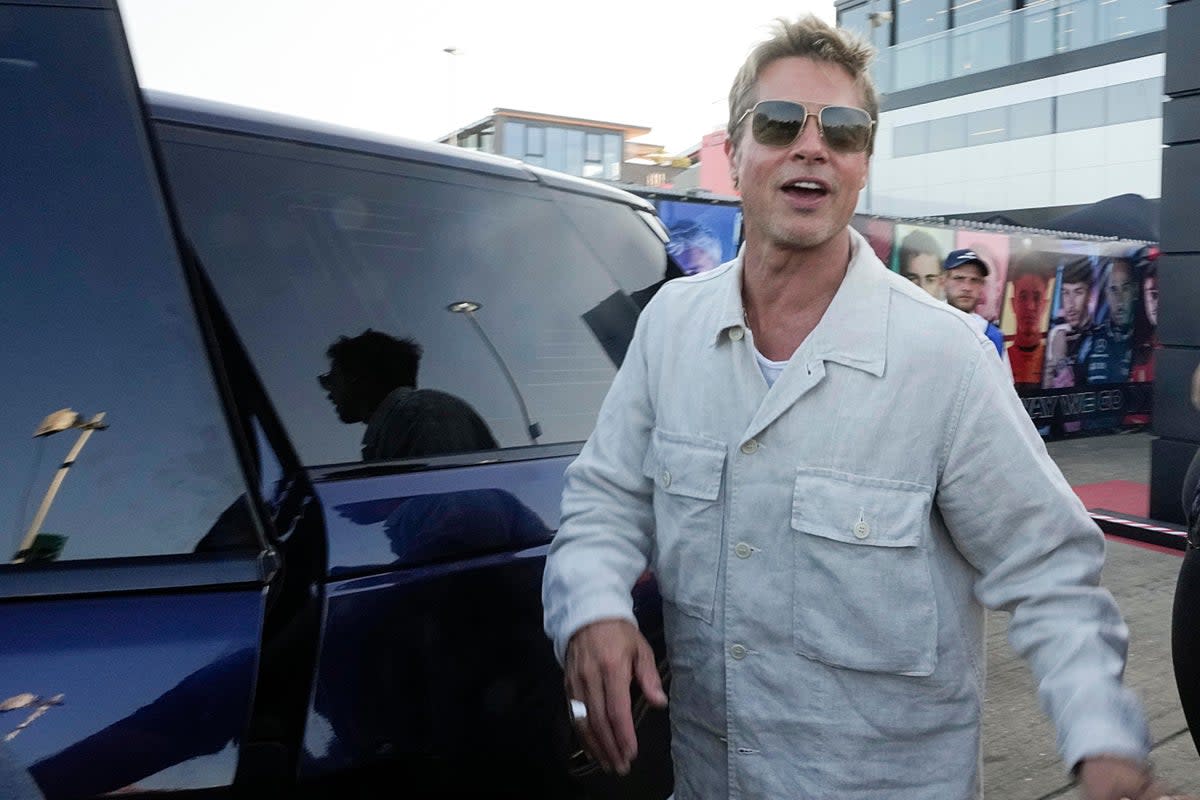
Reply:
x=806, y=190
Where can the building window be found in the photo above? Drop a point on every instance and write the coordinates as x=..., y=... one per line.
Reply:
x=612, y=156
x=535, y=141
x=986, y=127
x=910, y=140
x=948, y=133
x=918, y=18
x=593, y=157
x=1034, y=118
x=556, y=149
x=514, y=139
x=1080, y=110
x=575, y=152
x=1129, y=102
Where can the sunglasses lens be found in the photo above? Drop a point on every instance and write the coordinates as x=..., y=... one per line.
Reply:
x=776, y=122
x=846, y=129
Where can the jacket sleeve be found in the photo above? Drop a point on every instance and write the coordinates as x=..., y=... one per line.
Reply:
x=1012, y=514
x=605, y=539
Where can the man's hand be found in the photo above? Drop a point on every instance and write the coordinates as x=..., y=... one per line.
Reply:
x=1114, y=778
x=602, y=661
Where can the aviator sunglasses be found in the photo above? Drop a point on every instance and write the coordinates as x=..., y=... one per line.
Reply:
x=777, y=123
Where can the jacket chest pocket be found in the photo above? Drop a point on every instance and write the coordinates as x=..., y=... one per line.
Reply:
x=687, y=471
x=864, y=596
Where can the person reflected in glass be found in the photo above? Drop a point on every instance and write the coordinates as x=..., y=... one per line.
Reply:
x=372, y=379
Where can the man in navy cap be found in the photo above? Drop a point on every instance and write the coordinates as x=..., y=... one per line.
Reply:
x=965, y=273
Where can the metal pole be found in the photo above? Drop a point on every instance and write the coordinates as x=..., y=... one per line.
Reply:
x=535, y=430
x=88, y=429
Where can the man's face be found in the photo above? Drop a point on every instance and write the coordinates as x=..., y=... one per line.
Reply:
x=964, y=287
x=1150, y=298
x=777, y=211
x=1075, y=304
x=339, y=388
x=1121, y=292
x=925, y=270
x=1029, y=302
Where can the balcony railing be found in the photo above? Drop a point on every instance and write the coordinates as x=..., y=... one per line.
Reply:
x=1041, y=28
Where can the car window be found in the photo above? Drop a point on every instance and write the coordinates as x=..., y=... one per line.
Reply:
x=101, y=354
x=508, y=315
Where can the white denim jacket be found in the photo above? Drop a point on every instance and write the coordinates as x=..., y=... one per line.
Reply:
x=825, y=547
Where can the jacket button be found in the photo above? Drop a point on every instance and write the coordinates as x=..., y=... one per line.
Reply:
x=666, y=478
x=861, y=529
x=750, y=447
x=736, y=333
x=738, y=652
x=742, y=550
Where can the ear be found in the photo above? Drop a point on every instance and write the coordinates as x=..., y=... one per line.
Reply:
x=731, y=153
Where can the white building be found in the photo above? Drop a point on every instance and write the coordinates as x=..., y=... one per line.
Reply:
x=1024, y=108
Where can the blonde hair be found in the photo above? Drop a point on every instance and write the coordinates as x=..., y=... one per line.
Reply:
x=807, y=37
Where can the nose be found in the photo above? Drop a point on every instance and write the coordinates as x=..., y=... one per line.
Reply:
x=809, y=145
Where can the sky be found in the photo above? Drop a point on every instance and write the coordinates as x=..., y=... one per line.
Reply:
x=382, y=65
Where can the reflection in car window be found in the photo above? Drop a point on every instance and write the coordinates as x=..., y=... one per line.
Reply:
x=101, y=355
x=484, y=275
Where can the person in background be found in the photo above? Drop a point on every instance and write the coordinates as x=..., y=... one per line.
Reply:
x=965, y=275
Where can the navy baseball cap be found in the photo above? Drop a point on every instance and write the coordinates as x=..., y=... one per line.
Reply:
x=965, y=256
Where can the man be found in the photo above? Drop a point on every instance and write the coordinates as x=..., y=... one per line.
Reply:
x=920, y=262
x=1070, y=342
x=1112, y=345
x=795, y=443
x=1030, y=278
x=965, y=274
x=372, y=378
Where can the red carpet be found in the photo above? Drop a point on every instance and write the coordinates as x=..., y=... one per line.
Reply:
x=1125, y=497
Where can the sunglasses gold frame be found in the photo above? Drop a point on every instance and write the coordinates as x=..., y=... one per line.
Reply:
x=808, y=113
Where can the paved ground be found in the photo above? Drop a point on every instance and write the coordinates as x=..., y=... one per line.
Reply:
x=1020, y=760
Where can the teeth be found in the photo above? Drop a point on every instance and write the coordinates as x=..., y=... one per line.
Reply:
x=806, y=185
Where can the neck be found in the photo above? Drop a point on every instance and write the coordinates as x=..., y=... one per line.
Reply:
x=786, y=291
x=776, y=277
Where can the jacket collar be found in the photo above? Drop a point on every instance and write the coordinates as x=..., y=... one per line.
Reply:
x=853, y=330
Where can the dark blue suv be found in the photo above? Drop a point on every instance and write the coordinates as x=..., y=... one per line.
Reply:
x=255, y=551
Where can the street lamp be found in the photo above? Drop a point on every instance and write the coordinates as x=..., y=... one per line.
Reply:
x=61, y=420
x=468, y=308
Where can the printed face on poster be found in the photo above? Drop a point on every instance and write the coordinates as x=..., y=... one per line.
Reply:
x=703, y=235
x=919, y=253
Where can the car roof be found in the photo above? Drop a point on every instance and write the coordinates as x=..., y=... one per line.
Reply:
x=198, y=112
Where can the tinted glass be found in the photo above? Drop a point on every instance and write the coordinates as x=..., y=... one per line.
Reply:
x=556, y=149
x=1033, y=118
x=307, y=246
x=948, y=133
x=1137, y=100
x=985, y=127
x=1081, y=110
x=514, y=139
x=917, y=18
x=910, y=140
x=96, y=316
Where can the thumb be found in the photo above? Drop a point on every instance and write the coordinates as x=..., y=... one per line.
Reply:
x=646, y=671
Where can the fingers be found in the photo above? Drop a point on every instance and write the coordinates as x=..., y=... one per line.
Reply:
x=601, y=659
x=646, y=671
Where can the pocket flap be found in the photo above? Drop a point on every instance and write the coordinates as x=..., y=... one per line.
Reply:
x=860, y=510
x=685, y=464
